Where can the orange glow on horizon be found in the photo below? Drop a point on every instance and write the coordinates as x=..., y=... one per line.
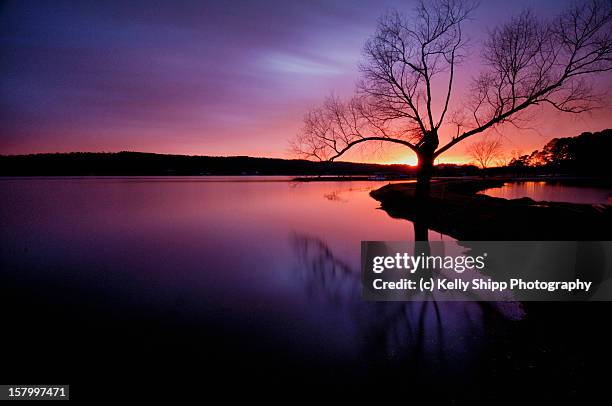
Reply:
x=412, y=160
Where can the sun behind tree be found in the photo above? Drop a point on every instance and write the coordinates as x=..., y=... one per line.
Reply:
x=526, y=62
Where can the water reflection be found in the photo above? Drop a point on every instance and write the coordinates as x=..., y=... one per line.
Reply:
x=551, y=192
x=417, y=335
x=216, y=252
x=335, y=197
x=171, y=272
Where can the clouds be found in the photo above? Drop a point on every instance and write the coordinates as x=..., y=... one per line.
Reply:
x=292, y=64
x=149, y=73
x=193, y=77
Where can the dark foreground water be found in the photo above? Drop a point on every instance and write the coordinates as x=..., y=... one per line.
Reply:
x=245, y=283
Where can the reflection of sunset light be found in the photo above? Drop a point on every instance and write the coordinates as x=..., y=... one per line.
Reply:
x=540, y=191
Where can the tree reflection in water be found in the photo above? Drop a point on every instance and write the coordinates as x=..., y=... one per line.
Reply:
x=420, y=335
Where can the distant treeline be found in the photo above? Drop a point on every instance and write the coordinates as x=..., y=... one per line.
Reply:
x=585, y=154
x=146, y=164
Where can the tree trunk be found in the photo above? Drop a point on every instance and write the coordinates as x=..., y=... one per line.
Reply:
x=422, y=192
x=424, y=173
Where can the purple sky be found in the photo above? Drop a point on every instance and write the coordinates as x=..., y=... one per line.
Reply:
x=211, y=78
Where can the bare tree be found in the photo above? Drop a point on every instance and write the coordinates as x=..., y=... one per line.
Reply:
x=526, y=62
x=485, y=151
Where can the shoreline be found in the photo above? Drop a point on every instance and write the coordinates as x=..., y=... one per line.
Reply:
x=603, y=182
x=455, y=209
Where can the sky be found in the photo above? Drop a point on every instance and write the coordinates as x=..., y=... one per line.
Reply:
x=210, y=77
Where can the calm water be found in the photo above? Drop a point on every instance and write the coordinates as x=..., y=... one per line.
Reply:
x=238, y=282
x=226, y=270
x=551, y=192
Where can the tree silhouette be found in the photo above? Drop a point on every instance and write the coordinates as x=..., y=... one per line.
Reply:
x=527, y=61
x=585, y=154
x=484, y=151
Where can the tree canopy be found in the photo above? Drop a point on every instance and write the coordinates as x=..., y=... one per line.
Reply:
x=528, y=61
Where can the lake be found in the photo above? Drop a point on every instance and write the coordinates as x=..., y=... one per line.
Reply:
x=551, y=192
x=242, y=275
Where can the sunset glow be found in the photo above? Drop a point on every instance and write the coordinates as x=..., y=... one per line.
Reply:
x=398, y=199
x=210, y=78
